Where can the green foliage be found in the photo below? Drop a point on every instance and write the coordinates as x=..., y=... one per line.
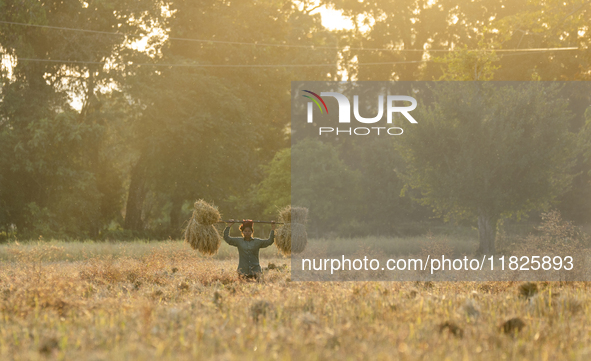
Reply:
x=205, y=131
x=325, y=185
x=61, y=160
x=164, y=136
x=448, y=25
x=42, y=221
x=417, y=26
x=274, y=192
x=553, y=23
x=467, y=65
x=181, y=129
x=380, y=163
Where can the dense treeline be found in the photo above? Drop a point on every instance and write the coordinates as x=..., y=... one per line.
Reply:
x=111, y=136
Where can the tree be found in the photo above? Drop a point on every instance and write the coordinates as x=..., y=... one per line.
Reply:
x=546, y=24
x=484, y=151
x=275, y=190
x=205, y=131
x=405, y=33
x=467, y=65
x=378, y=160
x=59, y=162
x=554, y=24
x=194, y=129
x=325, y=185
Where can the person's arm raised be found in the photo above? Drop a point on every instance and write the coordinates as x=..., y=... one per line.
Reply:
x=230, y=240
x=269, y=241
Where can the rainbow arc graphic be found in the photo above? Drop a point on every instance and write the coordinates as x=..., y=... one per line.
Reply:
x=316, y=101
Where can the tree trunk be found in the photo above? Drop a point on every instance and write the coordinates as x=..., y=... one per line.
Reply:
x=487, y=231
x=135, y=197
x=89, y=114
x=175, y=216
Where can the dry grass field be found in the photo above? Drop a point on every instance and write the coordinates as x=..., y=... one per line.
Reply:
x=162, y=301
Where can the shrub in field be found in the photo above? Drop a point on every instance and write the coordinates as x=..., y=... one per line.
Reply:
x=556, y=237
x=452, y=328
x=435, y=248
x=513, y=326
x=260, y=309
x=528, y=290
x=555, y=306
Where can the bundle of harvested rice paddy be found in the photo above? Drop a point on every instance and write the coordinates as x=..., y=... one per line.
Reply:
x=292, y=236
x=200, y=232
x=206, y=214
x=293, y=215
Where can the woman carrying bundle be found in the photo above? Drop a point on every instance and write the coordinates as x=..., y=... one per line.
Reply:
x=248, y=247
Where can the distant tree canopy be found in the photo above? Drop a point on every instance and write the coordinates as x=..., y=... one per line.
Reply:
x=323, y=183
x=101, y=138
x=274, y=192
x=408, y=34
x=149, y=138
x=60, y=170
x=208, y=127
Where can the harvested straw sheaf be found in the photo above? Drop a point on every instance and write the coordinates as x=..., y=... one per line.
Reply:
x=293, y=215
x=200, y=232
x=206, y=214
x=292, y=236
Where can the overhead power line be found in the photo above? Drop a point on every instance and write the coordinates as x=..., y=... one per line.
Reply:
x=193, y=65
x=313, y=47
x=214, y=65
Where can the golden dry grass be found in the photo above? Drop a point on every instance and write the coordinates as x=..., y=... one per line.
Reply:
x=165, y=302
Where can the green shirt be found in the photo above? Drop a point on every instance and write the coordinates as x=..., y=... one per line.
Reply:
x=248, y=251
